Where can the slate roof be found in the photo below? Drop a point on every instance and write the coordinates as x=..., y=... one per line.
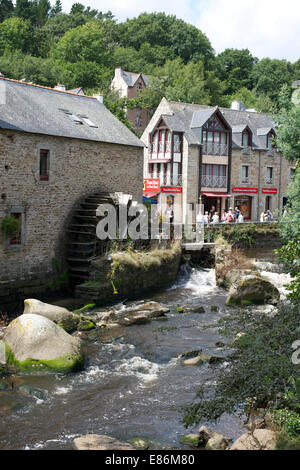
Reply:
x=42, y=110
x=130, y=78
x=188, y=116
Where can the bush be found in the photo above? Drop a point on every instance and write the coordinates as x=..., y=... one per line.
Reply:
x=10, y=226
x=260, y=367
x=288, y=421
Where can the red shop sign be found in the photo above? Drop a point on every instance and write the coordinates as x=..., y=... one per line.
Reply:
x=245, y=190
x=269, y=190
x=151, y=184
x=171, y=189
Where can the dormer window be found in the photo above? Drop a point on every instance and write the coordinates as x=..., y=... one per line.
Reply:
x=270, y=142
x=246, y=139
x=215, y=137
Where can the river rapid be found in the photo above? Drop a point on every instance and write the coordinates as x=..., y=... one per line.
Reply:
x=133, y=384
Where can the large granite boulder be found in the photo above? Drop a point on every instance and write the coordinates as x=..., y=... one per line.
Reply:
x=252, y=290
x=33, y=342
x=100, y=442
x=59, y=315
x=261, y=439
x=212, y=440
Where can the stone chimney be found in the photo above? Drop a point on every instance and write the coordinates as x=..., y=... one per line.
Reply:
x=60, y=87
x=118, y=72
x=99, y=97
x=238, y=106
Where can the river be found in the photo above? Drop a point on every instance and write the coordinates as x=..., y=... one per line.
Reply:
x=133, y=384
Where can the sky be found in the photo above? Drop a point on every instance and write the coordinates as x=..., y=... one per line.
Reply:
x=268, y=28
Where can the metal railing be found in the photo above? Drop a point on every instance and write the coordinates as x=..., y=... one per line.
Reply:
x=210, y=181
x=269, y=180
x=246, y=150
x=167, y=180
x=215, y=149
x=245, y=179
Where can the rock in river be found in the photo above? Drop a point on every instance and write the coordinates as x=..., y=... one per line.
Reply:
x=33, y=343
x=67, y=320
x=100, y=442
x=251, y=290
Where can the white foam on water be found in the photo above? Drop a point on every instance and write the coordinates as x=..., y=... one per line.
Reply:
x=62, y=390
x=198, y=281
x=142, y=368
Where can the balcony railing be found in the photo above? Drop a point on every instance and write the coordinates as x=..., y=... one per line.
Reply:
x=210, y=181
x=246, y=150
x=245, y=179
x=269, y=180
x=167, y=180
x=215, y=149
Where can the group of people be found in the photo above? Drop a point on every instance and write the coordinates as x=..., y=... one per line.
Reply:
x=213, y=217
x=266, y=216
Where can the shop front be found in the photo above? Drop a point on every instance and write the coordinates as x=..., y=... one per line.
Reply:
x=244, y=201
x=215, y=199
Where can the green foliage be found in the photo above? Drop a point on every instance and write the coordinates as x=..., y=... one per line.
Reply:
x=85, y=308
x=10, y=226
x=16, y=34
x=6, y=9
x=288, y=421
x=236, y=66
x=260, y=367
x=269, y=75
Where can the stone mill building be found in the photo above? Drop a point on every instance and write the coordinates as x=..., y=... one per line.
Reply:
x=60, y=154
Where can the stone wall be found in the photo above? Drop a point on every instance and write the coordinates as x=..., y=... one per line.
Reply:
x=130, y=275
x=77, y=169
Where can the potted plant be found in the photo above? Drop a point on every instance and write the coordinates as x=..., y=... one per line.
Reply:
x=10, y=226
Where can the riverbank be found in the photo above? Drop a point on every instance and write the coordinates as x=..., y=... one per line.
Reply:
x=134, y=383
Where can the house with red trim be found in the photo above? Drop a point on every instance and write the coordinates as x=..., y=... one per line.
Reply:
x=198, y=154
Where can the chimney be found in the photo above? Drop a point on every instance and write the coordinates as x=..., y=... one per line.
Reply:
x=60, y=87
x=238, y=106
x=118, y=72
x=99, y=97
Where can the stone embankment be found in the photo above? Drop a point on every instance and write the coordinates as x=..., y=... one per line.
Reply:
x=129, y=274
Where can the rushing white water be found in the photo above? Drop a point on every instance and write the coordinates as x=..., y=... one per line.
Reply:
x=271, y=272
x=198, y=281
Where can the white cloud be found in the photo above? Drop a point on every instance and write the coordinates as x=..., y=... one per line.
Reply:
x=131, y=8
x=268, y=28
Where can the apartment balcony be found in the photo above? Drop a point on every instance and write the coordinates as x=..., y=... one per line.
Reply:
x=209, y=181
x=246, y=150
x=245, y=179
x=167, y=180
x=215, y=149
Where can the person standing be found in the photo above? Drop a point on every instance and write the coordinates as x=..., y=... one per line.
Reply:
x=240, y=218
x=230, y=217
x=236, y=214
x=215, y=219
x=212, y=213
x=206, y=218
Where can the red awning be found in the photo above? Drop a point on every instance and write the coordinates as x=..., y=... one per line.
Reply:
x=216, y=194
x=148, y=194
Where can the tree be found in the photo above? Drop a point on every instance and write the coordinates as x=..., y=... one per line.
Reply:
x=56, y=9
x=159, y=29
x=79, y=9
x=27, y=10
x=84, y=43
x=6, y=9
x=43, y=11
x=16, y=34
x=269, y=75
x=235, y=66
